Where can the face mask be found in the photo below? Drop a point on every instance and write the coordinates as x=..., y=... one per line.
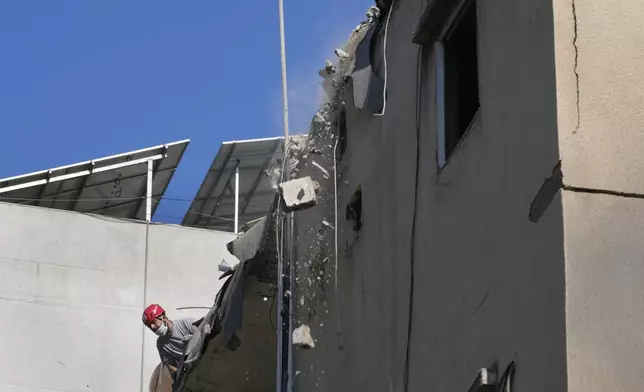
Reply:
x=162, y=330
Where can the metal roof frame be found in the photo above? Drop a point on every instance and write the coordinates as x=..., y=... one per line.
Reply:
x=212, y=207
x=115, y=185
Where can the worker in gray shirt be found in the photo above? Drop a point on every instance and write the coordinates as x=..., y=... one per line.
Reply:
x=173, y=335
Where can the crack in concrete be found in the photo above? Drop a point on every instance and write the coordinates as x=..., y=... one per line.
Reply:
x=480, y=305
x=554, y=183
x=596, y=191
x=574, y=43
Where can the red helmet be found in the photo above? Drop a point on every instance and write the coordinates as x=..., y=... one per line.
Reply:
x=152, y=312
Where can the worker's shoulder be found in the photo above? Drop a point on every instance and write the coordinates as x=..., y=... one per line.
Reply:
x=186, y=320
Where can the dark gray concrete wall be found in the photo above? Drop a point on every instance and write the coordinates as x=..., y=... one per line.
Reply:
x=489, y=284
x=72, y=292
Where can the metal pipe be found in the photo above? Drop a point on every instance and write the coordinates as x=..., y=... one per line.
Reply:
x=237, y=199
x=280, y=296
x=291, y=301
x=284, y=84
x=148, y=195
x=282, y=244
x=148, y=218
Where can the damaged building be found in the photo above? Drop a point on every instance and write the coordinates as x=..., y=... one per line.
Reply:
x=464, y=215
x=479, y=204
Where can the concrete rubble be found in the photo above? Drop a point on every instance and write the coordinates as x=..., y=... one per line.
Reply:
x=325, y=173
x=302, y=337
x=299, y=193
x=341, y=54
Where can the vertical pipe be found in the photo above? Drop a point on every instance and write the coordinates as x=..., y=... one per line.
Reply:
x=279, y=299
x=282, y=244
x=284, y=84
x=237, y=199
x=148, y=218
x=439, y=58
x=291, y=308
x=148, y=196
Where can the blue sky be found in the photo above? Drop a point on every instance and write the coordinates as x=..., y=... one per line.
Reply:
x=82, y=79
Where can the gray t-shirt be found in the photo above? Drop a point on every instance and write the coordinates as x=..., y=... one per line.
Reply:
x=171, y=346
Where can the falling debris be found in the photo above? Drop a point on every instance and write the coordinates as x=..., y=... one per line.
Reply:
x=341, y=54
x=299, y=193
x=327, y=224
x=323, y=170
x=328, y=71
x=373, y=14
x=302, y=337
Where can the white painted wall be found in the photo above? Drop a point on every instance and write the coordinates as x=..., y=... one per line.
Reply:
x=72, y=293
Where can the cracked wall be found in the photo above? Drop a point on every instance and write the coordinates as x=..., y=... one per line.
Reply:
x=600, y=55
x=600, y=89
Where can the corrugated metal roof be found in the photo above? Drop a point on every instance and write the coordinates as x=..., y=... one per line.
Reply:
x=214, y=205
x=113, y=186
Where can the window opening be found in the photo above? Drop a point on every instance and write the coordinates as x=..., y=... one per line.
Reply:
x=457, y=81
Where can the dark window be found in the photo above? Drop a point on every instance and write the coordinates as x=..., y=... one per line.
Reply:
x=354, y=210
x=342, y=133
x=461, y=76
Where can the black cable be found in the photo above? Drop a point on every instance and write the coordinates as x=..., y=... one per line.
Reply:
x=505, y=383
x=413, y=223
x=270, y=312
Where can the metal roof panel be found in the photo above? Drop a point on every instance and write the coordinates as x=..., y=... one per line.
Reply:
x=113, y=185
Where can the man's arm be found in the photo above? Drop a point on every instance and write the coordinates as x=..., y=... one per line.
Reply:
x=193, y=325
x=166, y=359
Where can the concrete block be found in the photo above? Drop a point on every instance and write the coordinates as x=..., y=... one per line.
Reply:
x=302, y=337
x=299, y=193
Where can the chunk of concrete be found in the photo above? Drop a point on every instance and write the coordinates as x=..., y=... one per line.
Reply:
x=302, y=337
x=299, y=193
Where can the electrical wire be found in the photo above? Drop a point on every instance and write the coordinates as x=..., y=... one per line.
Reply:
x=115, y=219
x=212, y=216
x=90, y=200
x=270, y=312
x=413, y=224
x=384, y=55
x=505, y=383
x=335, y=191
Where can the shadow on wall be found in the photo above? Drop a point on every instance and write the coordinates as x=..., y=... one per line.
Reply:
x=161, y=381
x=439, y=271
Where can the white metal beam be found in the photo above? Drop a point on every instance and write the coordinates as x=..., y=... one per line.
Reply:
x=148, y=194
x=82, y=173
x=237, y=199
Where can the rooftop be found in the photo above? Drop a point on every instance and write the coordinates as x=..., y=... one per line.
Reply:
x=114, y=186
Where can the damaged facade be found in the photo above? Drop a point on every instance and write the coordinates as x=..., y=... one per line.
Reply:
x=436, y=248
x=475, y=220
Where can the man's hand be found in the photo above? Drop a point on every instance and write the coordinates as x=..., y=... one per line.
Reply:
x=172, y=369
